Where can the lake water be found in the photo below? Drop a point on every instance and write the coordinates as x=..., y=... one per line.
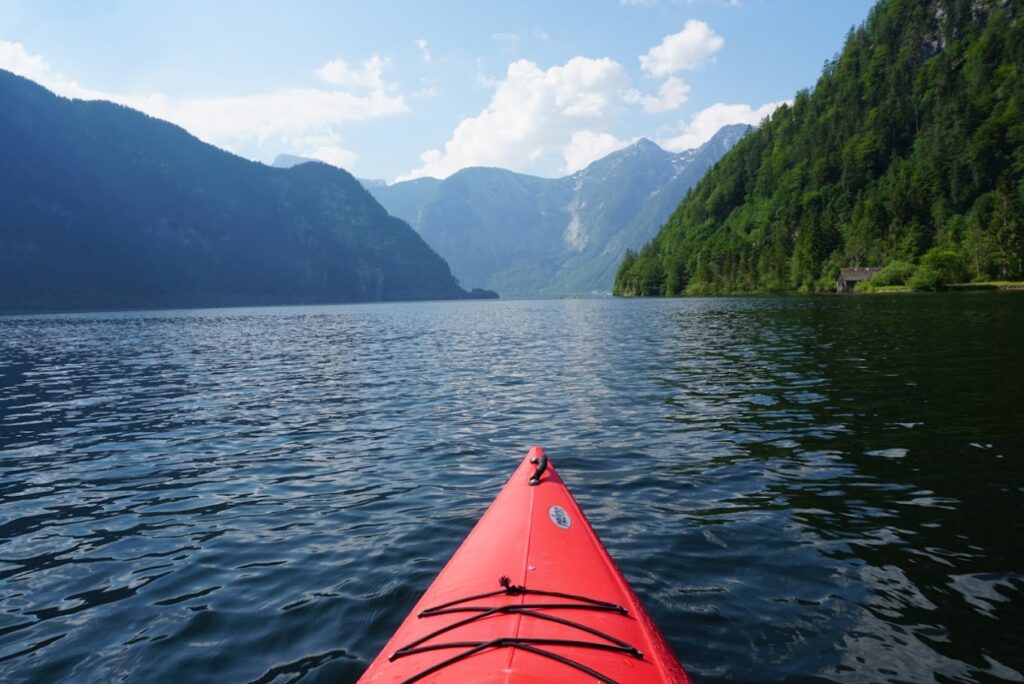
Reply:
x=800, y=489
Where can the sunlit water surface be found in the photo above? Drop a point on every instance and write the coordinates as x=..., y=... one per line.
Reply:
x=805, y=489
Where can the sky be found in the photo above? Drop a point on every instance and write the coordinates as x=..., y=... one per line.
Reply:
x=399, y=90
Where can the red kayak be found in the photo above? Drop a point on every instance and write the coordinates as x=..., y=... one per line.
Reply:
x=530, y=596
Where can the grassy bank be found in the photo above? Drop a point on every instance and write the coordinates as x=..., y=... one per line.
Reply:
x=953, y=287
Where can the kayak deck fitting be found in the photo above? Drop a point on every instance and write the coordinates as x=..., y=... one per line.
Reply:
x=531, y=596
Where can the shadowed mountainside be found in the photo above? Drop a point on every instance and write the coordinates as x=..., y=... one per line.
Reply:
x=102, y=206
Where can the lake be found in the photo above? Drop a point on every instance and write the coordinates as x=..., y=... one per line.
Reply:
x=812, y=489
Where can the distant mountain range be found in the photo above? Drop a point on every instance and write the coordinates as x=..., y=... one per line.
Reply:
x=102, y=206
x=527, y=236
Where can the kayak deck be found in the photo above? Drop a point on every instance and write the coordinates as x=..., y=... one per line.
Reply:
x=530, y=596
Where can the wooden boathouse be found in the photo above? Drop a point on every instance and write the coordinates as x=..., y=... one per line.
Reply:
x=849, y=277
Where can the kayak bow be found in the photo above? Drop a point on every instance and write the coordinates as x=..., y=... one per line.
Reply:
x=531, y=596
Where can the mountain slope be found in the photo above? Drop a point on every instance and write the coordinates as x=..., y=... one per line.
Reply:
x=622, y=201
x=102, y=206
x=912, y=142
x=405, y=199
x=528, y=236
x=287, y=161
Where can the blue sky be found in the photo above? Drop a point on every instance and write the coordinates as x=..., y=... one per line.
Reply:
x=404, y=89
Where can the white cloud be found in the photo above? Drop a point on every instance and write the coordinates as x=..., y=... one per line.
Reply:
x=506, y=37
x=684, y=50
x=671, y=95
x=424, y=50
x=338, y=72
x=706, y=123
x=532, y=113
x=326, y=147
x=587, y=146
x=260, y=124
x=334, y=155
x=234, y=121
x=16, y=59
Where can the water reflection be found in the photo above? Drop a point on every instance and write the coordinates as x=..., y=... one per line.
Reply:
x=862, y=462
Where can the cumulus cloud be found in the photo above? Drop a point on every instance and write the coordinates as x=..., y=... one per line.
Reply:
x=705, y=123
x=264, y=123
x=16, y=59
x=587, y=146
x=671, y=95
x=533, y=113
x=687, y=49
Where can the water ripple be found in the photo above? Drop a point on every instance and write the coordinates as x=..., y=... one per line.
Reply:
x=799, y=489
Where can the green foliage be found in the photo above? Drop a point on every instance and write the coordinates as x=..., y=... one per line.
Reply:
x=644, y=277
x=912, y=138
x=940, y=266
x=894, y=273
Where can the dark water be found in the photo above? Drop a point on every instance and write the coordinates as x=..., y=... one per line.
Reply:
x=799, y=489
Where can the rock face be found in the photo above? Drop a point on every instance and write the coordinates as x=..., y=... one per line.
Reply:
x=528, y=236
x=102, y=206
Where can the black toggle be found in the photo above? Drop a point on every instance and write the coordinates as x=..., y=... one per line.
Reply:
x=511, y=589
x=542, y=465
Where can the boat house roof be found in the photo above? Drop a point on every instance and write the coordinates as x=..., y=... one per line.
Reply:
x=857, y=273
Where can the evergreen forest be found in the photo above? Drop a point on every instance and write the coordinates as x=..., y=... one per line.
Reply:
x=908, y=154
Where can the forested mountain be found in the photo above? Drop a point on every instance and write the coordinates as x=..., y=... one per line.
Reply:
x=528, y=236
x=911, y=144
x=287, y=161
x=102, y=206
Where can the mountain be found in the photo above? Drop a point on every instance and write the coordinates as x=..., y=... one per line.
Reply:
x=528, y=236
x=622, y=200
x=405, y=199
x=909, y=149
x=287, y=161
x=102, y=206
